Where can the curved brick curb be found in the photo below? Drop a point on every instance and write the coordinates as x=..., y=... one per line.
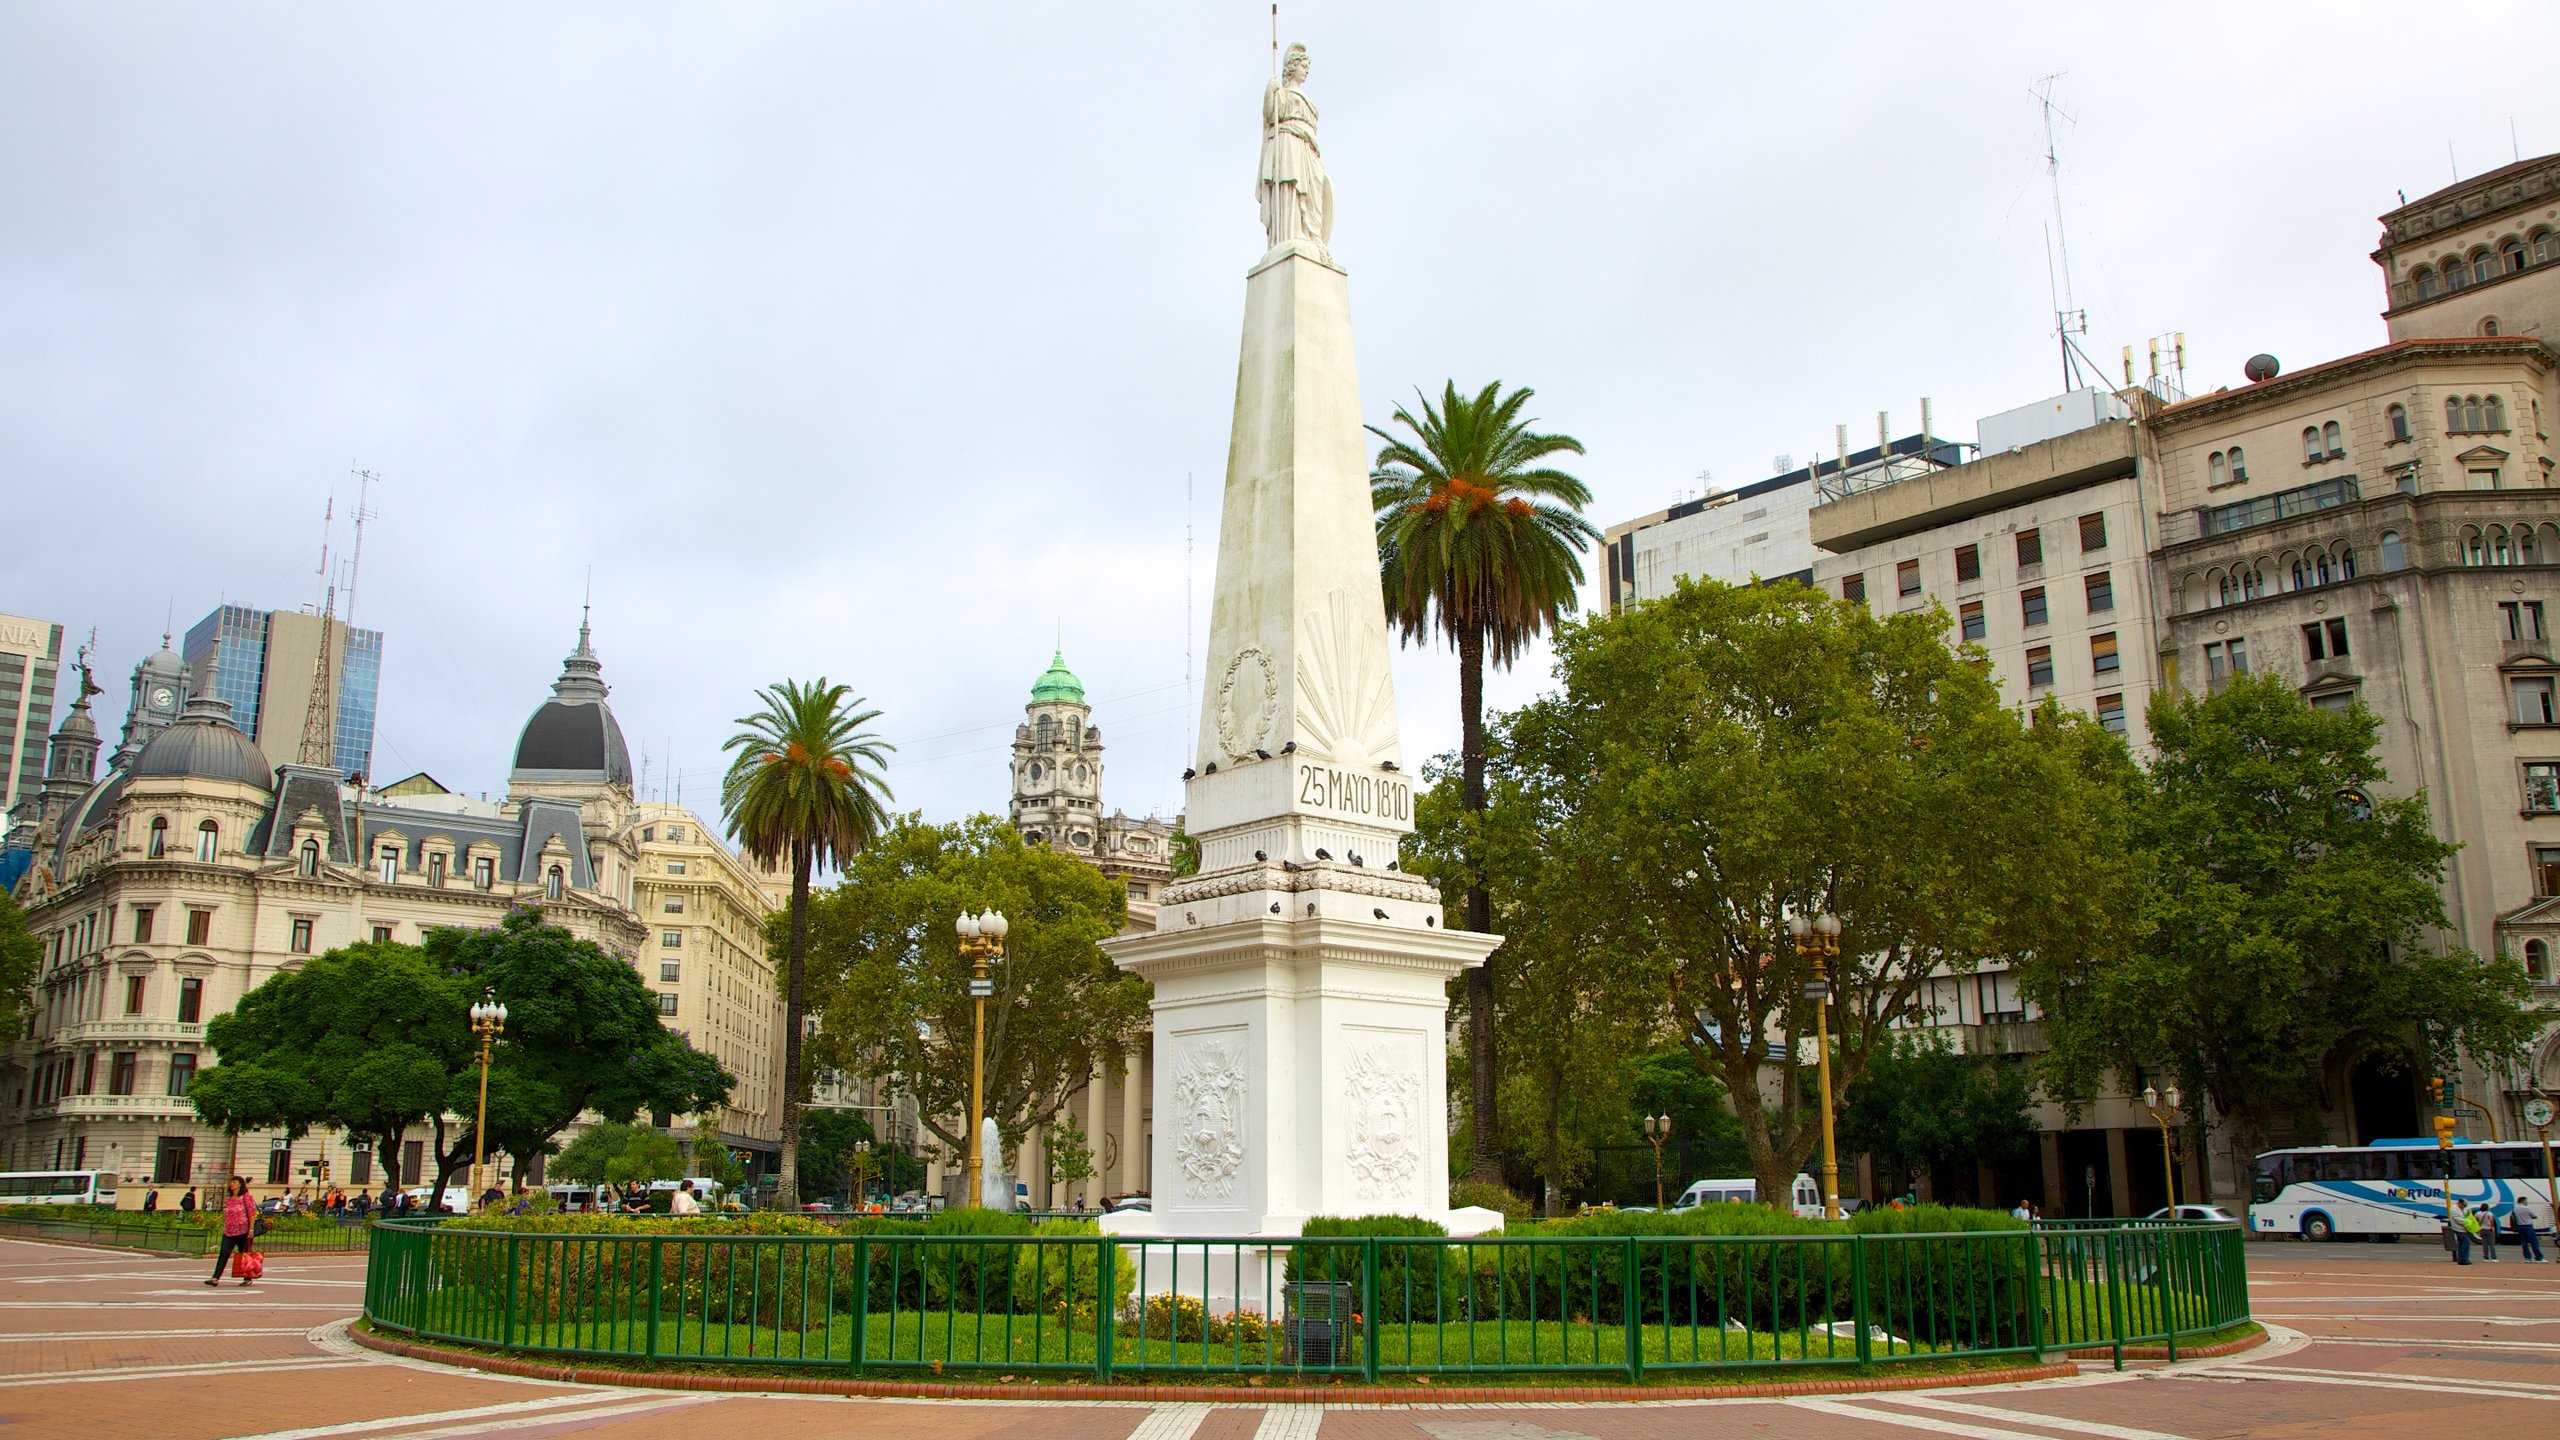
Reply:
x=2185, y=1352
x=1209, y=1394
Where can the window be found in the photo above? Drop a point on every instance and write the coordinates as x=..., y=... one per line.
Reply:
x=413, y=1158
x=435, y=870
x=2111, y=713
x=182, y=1071
x=280, y=1165
x=142, y=923
x=1906, y=581
x=2533, y=699
x=2214, y=473
x=2396, y=420
x=2103, y=659
x=1137, y=889
x=675, y=867
x=208, y=839
x=2517, y=619
x=551, y=883
x=1969, y=619
x=649, y=834
x=2093, y=533
x=666, y=1004
x=2239, y=467
x=1997, y=991
x=360, y=1166
x=2393, y=555
x=2542, y=786
x=675, y=832
x=199, y=927
x=670, y=971
x=2102, y=593
x=386, y=866
x=381, y=934
x=670, y=939
x=2030, y=547
x=1968, y=563
x=2031, y=606
x=2325, y=640
x=190, y=1000
x=120, y=1073
x=2546, y=870
x=2040, y=665
x=301, y=937
x=159, y=836
x=2546, y=247
x=307, y=861
x=484, y=872
x=2484, y=479
x=1853, y=587
x=2312, y=453
x=675, y=904
x=2222, y=661
x=2494, y=412
x=136, y=989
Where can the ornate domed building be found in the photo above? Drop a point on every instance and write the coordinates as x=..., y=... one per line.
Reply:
x=1057, y=793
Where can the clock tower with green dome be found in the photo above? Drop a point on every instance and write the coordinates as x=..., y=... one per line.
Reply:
x=1057, y=792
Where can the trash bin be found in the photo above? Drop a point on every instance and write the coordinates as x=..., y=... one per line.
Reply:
x=1315, y=1322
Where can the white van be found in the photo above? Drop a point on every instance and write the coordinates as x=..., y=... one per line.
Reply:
x=1804, y=1197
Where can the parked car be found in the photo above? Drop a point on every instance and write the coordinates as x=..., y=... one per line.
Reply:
x=455, y=1202
x=2213, y=1213
x=1804, y=1197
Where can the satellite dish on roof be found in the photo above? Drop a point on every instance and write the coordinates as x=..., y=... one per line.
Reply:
x=2262, y=367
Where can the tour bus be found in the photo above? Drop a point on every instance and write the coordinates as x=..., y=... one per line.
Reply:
x=58, y=1187
x=1805, y=1200
x=2389, y=1188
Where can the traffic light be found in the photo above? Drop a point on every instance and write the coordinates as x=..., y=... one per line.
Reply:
x=2435, y=1091
x=2444, y=1132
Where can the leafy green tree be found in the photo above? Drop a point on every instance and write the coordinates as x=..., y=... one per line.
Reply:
x=615, y=1153
x=893, y=989
x=715, y=1160
x=1069, y=1153
x=805, y=784
x=370, y=1039
x=827, y=1138
x=1926, y=1107
x=1478, y=543
x=1724, y=756
x=20, y=951
x=2284, y=922
x=582, y=1035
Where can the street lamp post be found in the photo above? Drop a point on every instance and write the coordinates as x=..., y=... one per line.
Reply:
x=2151, y=1098
x=488, y=1021
x=861, y=1167
x=982, y=941
x=1657, y=1128
x=1817, y=939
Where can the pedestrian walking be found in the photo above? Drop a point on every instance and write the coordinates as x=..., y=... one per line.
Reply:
x=2530, y=1222
x=239, y=1214
x=187, y=1202
x=151, y=1203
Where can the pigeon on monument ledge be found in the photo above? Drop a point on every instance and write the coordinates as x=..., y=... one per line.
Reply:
x=1381, y=914
x=1323, y=854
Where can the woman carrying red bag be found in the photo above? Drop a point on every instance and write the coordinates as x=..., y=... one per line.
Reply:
x=239, y=1221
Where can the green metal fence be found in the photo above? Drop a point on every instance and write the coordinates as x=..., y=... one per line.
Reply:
x=177, y=1238
x=1358, y=1308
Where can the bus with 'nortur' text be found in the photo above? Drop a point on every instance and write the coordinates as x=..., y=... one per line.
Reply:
x=2391, y=1187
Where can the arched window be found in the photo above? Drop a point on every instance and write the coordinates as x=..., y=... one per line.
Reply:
x=2457, y=276
x=2226, y=589
x=2484, y=266
x=2252, y=584
x=2347, y=564
x=2498, y=546
x=1043, y=731
x=208, y=838
x=2453, y=414
x=2301, y=577
x=2311, y=451
x=2489, y=326
x=2511, y=255
x=2321, y=566
x=552, y=883
x=309, y=861
x=2397, y=417
x=2428, y=287
x=2524, y=546
x=2537, y=960
x=2546, y=247
x=2393, y=557
x=2494, y=412
x=159, y=836
x=2239, y=467
x=2475, y=547
x=2334, y=437
x=2214, y=473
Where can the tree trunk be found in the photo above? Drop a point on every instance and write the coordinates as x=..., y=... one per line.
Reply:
x=1555, y=1139
x=1485, y=1131
x=786, y=1193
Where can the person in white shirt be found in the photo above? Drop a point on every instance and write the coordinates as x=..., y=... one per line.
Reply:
x=682, y=1202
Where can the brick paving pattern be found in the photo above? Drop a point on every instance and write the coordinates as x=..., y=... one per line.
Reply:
x=2393, y=1341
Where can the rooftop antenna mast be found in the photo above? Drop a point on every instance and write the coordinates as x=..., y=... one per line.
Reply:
x=2068, y=318
x=315, y=749
x=365, y=481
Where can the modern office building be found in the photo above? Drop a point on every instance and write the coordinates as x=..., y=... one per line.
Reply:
x=262, y=663
x=30, y=664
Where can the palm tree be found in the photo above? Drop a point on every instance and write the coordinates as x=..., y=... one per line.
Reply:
x=1480, y=544
x=804, y=783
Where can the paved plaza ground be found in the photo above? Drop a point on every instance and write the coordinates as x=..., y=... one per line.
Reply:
x=2371, y=1340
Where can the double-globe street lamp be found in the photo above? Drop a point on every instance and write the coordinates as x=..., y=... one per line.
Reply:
x=1817, y=939
x=488, y=1021
x=1657, y=1128
x=982, y=941
x=2152, y=1095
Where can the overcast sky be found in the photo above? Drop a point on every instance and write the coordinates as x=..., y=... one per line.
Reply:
x=889, y=342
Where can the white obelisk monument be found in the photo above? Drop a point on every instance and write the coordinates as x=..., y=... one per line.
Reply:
x=1300, y=977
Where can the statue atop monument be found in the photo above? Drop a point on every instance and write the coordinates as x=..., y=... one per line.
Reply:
x=1297, y=196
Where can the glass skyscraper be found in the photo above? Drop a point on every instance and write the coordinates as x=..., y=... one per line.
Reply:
x=261, y=660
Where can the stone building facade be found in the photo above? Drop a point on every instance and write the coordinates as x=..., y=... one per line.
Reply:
x=705, y=906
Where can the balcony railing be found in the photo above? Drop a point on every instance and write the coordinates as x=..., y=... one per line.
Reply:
x=173, y=1032
x=2267, y=509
